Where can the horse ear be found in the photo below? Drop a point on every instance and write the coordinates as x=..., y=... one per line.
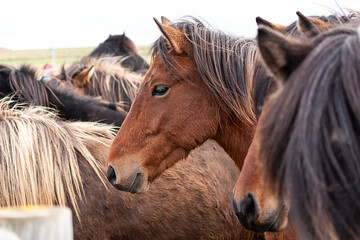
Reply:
x=311, y=27
x=260, y=21
x=165, y=21
x=83, y=78
x=176, y=40
x=280, y=53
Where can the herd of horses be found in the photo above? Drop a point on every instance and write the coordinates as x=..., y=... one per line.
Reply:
x=276, y=116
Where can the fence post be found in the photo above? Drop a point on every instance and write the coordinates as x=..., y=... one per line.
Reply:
x=36, y=223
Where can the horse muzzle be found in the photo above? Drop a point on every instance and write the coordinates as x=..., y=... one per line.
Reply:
x=249, y=214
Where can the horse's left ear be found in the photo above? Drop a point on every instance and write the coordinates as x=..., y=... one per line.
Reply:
x=83, y=78
x=311, y=27
x=280, y=53
x=176, y=40
x=165, y=21
x=260, y=21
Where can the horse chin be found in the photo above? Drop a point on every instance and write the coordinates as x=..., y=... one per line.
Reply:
x=277, y=222
x=278, y=226
x=281, y=221
x=139, y=185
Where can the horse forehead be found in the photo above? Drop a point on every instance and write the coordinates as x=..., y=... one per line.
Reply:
x=157, y=70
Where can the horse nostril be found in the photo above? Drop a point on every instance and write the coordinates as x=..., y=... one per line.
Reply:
x=249, y=208
x=111, y=175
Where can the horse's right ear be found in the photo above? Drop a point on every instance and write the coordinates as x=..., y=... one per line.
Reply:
x=83, y=78
x=262, y=22
x=176, y=40
x=280, y=53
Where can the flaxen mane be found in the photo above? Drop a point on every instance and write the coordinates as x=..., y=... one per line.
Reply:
x=224, y=63
x=109, y=80
x=39, y=156
x=311, y=137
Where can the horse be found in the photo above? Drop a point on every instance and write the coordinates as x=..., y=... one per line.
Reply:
x=200, y=86
x=121, y=45
x=102, y=77
x=254, y=204
x=311, y=26
x=309, y=136
x=22, y=83
x=46, y=161
x=202, y=83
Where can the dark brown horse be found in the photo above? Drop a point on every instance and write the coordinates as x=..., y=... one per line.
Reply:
x=200, y=86
x=256, y=206
x=24, y=86
x=47, y=161
x=121, y=46
x=309, y=141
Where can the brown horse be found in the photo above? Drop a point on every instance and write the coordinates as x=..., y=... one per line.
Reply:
x=199, y=86
x=203, y=84
x=121, y=46
x=256, y=206
x=313, y=157
x=336, y=222
x=45, y=161
x=310, y=26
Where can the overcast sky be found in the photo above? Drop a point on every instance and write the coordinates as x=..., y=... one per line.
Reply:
x=38, y=24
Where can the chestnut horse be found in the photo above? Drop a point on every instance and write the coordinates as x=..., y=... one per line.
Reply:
x=308, y=27
x=254, y=203
x=308, y=132
x=199, y=86
x=45, y=161
x=202, y=84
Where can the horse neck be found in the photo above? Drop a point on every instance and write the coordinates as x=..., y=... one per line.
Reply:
x=235, y=138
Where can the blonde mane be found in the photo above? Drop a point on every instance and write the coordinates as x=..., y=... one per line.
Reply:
x=110, y=80
x=39, y=156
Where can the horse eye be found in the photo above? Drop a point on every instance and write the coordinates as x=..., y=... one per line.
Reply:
x=160, y=90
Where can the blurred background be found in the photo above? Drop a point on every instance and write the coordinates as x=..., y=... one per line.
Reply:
x=40, y=32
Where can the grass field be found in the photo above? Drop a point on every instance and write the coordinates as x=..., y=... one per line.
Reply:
x=43, y=56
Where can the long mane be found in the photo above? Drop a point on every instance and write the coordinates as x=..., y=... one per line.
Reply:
x=110, y=80
x=39, y=156
x=311, y=137
x=223, y=62
x=23, y=82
